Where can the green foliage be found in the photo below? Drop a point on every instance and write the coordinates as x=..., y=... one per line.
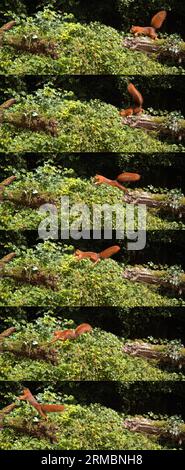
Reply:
x=50, y=183
x=75, y=283
x=79, y=427
x=91, y=126
x=93, y=356
x=82, y=49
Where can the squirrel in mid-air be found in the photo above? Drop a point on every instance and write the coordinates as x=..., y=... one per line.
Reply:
x=156, y=23
x=138, y=100
x=95, y=257
x=99, y=179
x=42, y=409
x=63, y=335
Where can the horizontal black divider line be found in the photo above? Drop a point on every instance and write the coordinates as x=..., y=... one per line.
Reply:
x=154, y=235
x=80, y=458
x=94, y=155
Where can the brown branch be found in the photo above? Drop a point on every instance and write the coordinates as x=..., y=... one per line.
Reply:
x=162, y=51
x=7, y=104
x=5, y=411
x=7, y=26
x=150, y=351
x=6, y=259
x=150, y=200
x=33, y=46
x=160, y=125
x=8, y=332
x=5, y=183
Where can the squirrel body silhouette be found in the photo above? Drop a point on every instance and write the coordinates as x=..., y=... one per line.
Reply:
x=99, y=179
x=95, y=257
x=63, y=335
x=27, y=395
x=138, y=100
x=41, y=408
x=150, y=31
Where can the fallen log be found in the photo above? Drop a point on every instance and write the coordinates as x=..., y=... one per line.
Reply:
x=160, y=429
x=34, y=123
x=37, y=278
x=31, y=352
x=157, y=278
x=167, y=127
x=33, y=45
x=159, y=353
x=27, y=200
x=39, y=430
x=166, y=203
x=162, y=49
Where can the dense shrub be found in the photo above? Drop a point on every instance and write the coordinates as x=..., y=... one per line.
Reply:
x=69, y=282
x=95, y=356
x=79, y=427
x=48, y=183
x=82, y=126
x=81, y=49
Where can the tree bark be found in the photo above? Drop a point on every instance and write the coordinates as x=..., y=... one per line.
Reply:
x=40, y=430
x=162, y=51
x=175, y=130
x=33, y=46
x=147, y=276
x=38, y=278
x=151, y=351
x=33, y=123
x=150, y=200
x=36, y=353
x=156, y=428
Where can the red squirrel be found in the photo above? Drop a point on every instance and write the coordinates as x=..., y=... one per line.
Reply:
x=156, y=23
x=95, y=257
x=41, y=408
x=138, y=100
x=63, y=335
x=99, y=179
